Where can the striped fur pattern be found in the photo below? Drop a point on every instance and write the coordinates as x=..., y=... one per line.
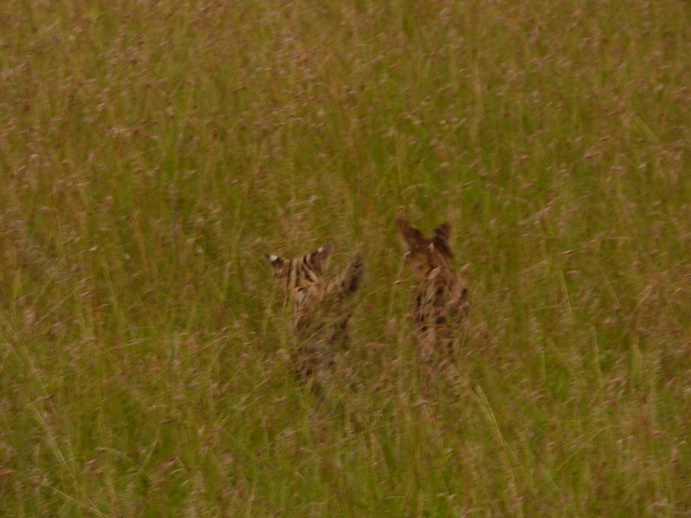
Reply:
x=440, y=297
x=321, y=309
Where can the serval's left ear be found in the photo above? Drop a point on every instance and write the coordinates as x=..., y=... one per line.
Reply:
x=274, y=260
x=277, y=263
x=441, y=239
x=411, y=234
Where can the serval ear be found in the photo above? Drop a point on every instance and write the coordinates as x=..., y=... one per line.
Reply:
x=319, y=258
x=277, y=263
x=441, y=239
x=411, y=234
x=274, y=260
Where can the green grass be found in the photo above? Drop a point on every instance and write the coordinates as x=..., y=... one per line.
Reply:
x=151, y=153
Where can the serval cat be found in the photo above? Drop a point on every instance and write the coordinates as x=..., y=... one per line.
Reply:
x=321, y=309
x=440, y=299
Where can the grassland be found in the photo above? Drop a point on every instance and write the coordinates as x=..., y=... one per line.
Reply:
x=150, y=153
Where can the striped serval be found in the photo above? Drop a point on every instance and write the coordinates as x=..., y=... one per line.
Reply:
x=440, y=298
x=321, y=309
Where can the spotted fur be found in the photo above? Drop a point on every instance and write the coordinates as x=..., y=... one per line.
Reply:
x=440, y=297
x=321, y=309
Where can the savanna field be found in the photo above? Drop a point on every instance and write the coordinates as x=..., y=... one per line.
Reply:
x=152, y=153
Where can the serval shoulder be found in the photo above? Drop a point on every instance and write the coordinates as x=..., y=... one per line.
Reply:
x=440, y=296
x=321, y=308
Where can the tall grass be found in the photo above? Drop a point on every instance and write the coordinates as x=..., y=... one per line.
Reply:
x=150, y=153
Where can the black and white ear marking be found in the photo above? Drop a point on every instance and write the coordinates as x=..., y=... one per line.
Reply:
x=318, y=258
x=325, y=251
x=274, y=260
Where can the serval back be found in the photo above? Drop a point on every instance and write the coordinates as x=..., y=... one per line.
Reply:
x=440, y=297
x=321, y=309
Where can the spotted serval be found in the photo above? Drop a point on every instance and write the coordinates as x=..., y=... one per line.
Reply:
x=440, y=299
x=321, y=309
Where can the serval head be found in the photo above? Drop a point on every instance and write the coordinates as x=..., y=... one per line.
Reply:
x=440, y=297
x=302, y=273
x=426, y=254
x=320, y=311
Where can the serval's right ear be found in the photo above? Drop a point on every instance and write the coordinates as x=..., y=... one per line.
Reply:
x=442, y=234
x=319, y=258
x=411, y=234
